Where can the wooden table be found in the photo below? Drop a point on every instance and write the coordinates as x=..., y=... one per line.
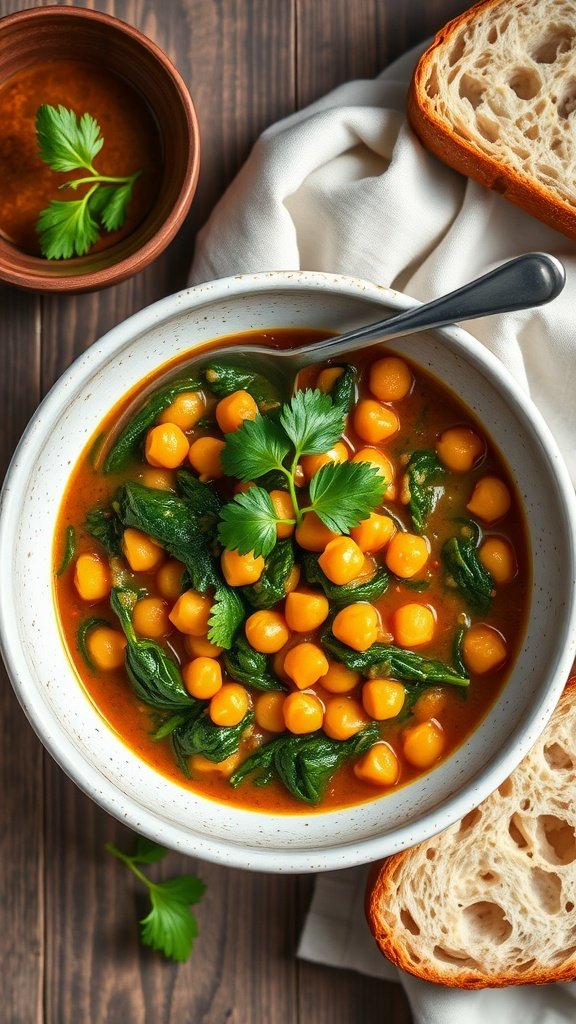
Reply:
x=69, y=948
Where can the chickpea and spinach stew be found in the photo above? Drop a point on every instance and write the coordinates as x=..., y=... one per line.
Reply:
x=289, y=599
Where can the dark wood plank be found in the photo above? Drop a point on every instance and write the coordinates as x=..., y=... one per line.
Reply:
x=21, y=756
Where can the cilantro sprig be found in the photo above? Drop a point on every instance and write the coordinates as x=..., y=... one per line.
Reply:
x=170, y=925
x=341, y=494
x=67, y=143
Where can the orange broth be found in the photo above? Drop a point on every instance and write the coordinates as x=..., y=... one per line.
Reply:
x=427, y=411
x=131, y=143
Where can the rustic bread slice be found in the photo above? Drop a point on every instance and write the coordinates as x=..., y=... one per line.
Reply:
x=492, y=900
x=495, y=98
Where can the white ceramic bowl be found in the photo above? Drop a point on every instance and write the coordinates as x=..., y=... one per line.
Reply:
x=72, y=729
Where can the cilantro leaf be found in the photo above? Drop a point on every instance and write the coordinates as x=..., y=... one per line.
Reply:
x=112, y=207
x=259, y=446
x=170, y=925
x=66, y=142
x=66, y=229
x=226, y=615
x=248, y=523
x=343, y=494
x=312, y=422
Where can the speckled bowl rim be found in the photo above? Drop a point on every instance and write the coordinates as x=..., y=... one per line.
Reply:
x=146, y=820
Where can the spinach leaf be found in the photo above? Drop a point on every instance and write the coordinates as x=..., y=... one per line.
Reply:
x=423, y=467
x=82, y=638
x=199, y=735
x=457, y=650
x=343, y=392
x=248, y=666
x=104, y=525
x=69, y=550
x=389, y=660
x=126, y=446
x=304, y=764
x=168, y=519
x=465, y=570
x=202, y=499
x=223, y=378
x=369, y=590
x=155, y=677
x=270, y=588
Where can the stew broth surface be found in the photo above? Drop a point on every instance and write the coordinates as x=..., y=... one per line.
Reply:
x=424, y=414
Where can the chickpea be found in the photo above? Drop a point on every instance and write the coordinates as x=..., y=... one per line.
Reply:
x=430, y=704
x=374, y=533
x=459, y=449
x=343, y=718
x=169, y=579
x=201, y=647
x=202, y=677
x=497, y=556
x=312, y=463
x=374, y=422
x=342, y=560
x=185, y=411
x=266, y=631
x=406, y=554
x=141, y=552
x=269, y=711
x=166, y=446
x=305, y=610
x=490, y=500
x=339, y=678
x=423, y=744
x=390, y=379
x=234, y=409
x=303, y=713
x=158, y=479
x=240, y=570
x=284, y=509
x=200, y=765
x=328, y=377
x=305, y=664
x=312, y=535
x=379, y=766
x=483, y=649
x=92, y=577
x=383, y=698
x=413, y=625
x=150, y=618
x=229, y=705
x=106, y=647
x=205, y=457
x=191, y=613
x=357, y=625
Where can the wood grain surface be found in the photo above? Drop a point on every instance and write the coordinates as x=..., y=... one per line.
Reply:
x=69, y=951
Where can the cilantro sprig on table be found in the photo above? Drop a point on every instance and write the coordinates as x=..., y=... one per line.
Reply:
x=67, y=143
x=341, y=494
x=170, y=925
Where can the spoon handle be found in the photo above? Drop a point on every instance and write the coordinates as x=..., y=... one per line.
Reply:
x=526, y=281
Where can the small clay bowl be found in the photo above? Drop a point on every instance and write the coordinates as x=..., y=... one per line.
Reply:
x=45, y=34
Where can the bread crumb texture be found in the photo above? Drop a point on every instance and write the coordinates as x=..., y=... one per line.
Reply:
x=504, y=80
x=491, y=901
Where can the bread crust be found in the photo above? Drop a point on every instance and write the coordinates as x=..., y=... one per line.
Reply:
x=440, y=137
x=389, y=881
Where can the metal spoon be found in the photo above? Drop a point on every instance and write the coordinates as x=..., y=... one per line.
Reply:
x=522, y=283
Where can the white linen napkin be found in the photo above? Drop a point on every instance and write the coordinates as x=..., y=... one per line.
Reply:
x=345, y=187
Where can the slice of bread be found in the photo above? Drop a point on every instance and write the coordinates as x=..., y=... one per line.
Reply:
x=492, y=900
x=495, y=98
